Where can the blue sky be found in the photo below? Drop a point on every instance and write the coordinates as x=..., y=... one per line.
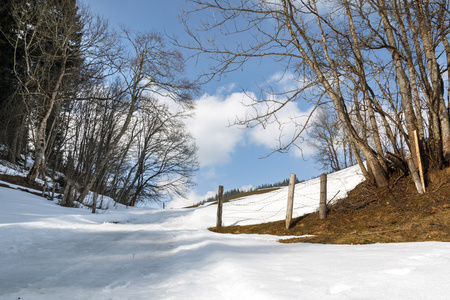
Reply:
x=229, y=156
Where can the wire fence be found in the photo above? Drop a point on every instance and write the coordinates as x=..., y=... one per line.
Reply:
x=271, y=206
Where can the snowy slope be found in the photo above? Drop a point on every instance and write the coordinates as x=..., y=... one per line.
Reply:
x=52, y=252
x=271, y=206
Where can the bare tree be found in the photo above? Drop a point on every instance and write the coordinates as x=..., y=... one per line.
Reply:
x=326, y=137
x=147, y=71
x=165, y=158
x=339, y=49
x=297, y=35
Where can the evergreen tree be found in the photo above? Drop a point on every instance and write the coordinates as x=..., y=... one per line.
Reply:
x=12, y=111
x=48, y=35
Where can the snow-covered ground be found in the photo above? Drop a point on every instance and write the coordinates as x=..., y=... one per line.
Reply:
x=52, y=252
x=271, y=207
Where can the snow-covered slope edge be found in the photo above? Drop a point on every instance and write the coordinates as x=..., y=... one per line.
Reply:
x=51, y=252
x=271, y=206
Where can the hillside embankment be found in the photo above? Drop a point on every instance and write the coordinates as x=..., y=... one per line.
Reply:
x=373, y=215
x=367, y=215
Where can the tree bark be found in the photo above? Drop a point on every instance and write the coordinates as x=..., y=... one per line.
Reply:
x=403, y=81
x=40, y=132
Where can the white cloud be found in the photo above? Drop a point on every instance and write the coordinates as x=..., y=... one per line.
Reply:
x=288, y=82
x=217, y=138
x=210, y=126
x=192, y=198
x=283, y=81
x=280, y=131
x=246, y=188
x=209, y=172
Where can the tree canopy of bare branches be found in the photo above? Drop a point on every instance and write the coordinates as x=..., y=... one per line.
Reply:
x=381, y=64
x=105, y=108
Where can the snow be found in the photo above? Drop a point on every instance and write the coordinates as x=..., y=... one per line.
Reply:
x=52, y=252
x=271, y=207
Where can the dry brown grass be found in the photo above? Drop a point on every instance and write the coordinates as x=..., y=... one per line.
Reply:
x=371, y=215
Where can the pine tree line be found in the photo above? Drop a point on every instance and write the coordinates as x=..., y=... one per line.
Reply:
x=234, y=192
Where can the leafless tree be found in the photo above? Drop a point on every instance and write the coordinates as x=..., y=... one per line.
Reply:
x=147, y=71
x=165, y=158
x=360, y=56
x=333, y=150
x=297, y=35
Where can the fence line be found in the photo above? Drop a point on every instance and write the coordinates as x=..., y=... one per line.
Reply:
x=272, y=207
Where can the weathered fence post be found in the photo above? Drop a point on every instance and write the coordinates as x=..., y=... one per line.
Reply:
x=415, y=176
x=290, y=203
x=323, y=197
x=219, y=207
x=419, y=161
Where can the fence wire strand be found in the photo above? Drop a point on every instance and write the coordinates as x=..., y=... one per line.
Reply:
x=272, y=207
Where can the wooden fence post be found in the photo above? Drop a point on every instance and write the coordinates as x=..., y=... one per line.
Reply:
x=323, y=197
x=419, y=160
x=290, y=203
x=219, y=207
x=415, y=176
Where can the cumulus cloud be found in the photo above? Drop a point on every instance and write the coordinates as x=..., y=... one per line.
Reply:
x=280, y=131
x=210, y=126
x=191, y=199
x=283, y=81
x=246, y=188
x=217, y=138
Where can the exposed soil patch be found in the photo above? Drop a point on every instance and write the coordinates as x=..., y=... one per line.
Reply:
x=22, y=181
x=372, y=215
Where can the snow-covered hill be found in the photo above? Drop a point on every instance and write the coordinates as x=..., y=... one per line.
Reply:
x=51, y=252
x=271, y=206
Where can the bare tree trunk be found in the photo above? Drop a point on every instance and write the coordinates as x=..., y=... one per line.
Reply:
x=94, y=202
x=104, y=160
x=415, y=176
x=400, y=11
x=447, y=52
x=40, y=132
x=425, y=25
x=403, y=81
x=333, y=91
x=366, y=173
x=363, y=85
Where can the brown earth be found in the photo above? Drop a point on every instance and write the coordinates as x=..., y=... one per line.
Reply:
x=22, y=181
x=368, y=215
x=373, y=215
